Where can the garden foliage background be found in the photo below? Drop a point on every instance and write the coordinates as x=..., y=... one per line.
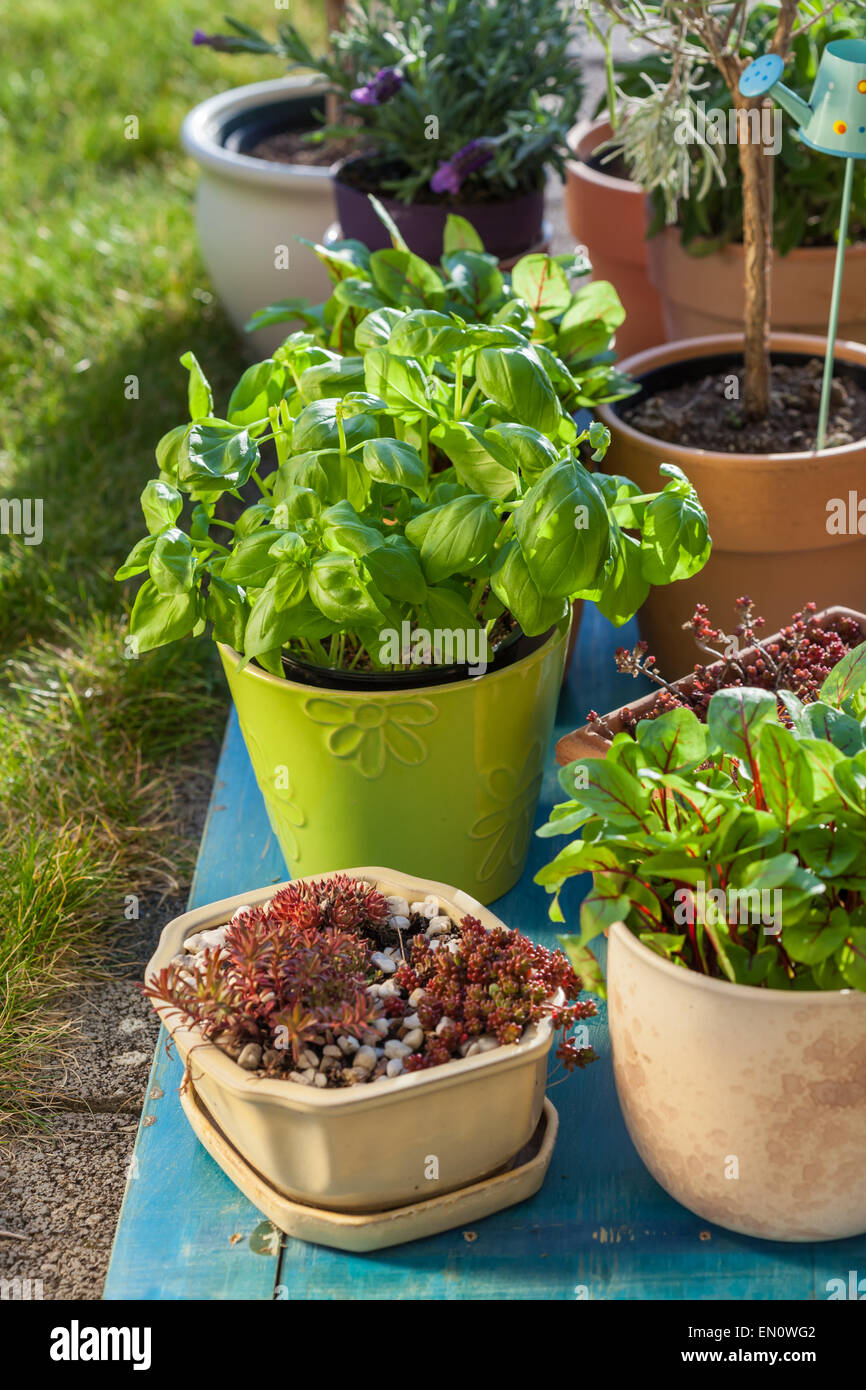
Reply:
x=104, y=761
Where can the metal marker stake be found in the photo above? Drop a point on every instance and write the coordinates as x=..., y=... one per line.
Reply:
x=827, y=387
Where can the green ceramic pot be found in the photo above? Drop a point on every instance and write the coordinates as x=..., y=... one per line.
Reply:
x=441, y=781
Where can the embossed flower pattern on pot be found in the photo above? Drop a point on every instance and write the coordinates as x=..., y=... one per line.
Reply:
x=506, y=829
x=370, y=732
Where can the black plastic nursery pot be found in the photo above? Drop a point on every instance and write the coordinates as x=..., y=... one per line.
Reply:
x=514, y=647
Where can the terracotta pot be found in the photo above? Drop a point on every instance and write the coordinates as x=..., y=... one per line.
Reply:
x=367, y=1147
x=747, y=1105
x=608, y=216
x=588, y=742
x=705, y=294
x=768, y=513
x=506, y=228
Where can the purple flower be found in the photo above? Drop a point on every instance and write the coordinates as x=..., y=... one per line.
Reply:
x=468, y=160
x=385, y=85
x=220, y=41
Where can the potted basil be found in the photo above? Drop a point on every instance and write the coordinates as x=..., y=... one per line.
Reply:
x=728, y=863
x=392, y=604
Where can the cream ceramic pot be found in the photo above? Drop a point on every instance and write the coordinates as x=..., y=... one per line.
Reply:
x=378, y=1145
x=747, y=1105
x=250, y=211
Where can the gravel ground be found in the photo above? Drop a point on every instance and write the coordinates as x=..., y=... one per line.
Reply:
x=60, y=1194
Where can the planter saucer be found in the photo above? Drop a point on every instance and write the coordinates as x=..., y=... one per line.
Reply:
x=359, y=1233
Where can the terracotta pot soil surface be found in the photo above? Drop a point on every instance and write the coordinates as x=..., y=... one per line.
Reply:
x=614, y=167
x=708, y=414
x=694, y=690
x=296, y=147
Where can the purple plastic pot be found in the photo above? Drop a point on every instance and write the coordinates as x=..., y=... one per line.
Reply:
x=507, y=229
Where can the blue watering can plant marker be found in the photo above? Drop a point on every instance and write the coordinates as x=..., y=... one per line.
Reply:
x=833, y=122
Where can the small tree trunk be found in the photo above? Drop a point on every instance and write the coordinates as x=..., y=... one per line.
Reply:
x=757, y=171
x=334, y=12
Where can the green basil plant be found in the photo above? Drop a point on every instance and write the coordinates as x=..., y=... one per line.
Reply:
x=413, y=459
x=736, y=848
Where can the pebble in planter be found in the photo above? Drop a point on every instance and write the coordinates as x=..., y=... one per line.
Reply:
x=728, y=861
x=342, y=1030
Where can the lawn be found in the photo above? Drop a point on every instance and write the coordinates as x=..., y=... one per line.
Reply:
x=101, y=289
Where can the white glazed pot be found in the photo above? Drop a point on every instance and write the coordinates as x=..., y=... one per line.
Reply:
x=368, y=1147
x=747, y=1105
x=248, y=209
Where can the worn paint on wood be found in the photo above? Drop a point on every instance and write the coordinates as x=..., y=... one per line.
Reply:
x=600, y=1228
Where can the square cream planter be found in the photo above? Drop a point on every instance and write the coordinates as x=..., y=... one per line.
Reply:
x=380, y=1144
x=748, y=1105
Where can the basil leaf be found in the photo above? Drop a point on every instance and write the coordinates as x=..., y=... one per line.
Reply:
x=481, y=461
x=512, y=582
x=157, y=619
x=217, y=455
x=515, y=380
x=338, y=591
x=136, y=561
x=172, y=563
x=161, y=504
x=199, y=394
x=406, y=280
x=395, y=462
x=260, y=387
x=227, y=609
x=426, y=333
x=564, y=531
x=454, y=538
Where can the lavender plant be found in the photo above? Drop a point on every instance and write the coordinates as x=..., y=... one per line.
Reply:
x=474, y=98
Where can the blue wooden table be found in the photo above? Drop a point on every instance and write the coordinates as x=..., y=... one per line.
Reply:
x=600, y=1228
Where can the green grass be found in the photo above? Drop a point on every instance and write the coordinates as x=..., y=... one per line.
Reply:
x=100, y=280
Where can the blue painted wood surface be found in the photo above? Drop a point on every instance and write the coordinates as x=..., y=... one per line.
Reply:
x=600, y=1228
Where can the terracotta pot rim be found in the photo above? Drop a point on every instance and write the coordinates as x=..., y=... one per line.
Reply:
x=712, y=345
x=579, y=166
x=737, y=250
x=790, y=998
x=559, y=635
x=685, y=682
